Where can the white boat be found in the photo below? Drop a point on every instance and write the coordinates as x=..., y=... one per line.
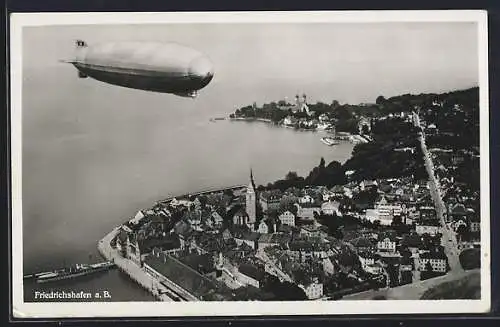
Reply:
x=329, y=141
x=323, y=126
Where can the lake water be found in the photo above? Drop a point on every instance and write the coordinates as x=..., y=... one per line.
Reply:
x=94, y=154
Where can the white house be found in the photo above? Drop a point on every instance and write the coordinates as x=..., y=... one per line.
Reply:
x=314, y=290
x=366, y=259
x=365, y=185
x=386, y=245
x=263, y=228
x=306, y=199
x=331, y=208
x=438, y=263
x=287, y=218
x=138, y=216
x=374, y=214
x=429, y=229
x=308, y=212
x=328, y=267
x=375, y=269
x=217, y=219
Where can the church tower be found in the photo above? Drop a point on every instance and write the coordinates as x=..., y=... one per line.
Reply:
x=251, y=201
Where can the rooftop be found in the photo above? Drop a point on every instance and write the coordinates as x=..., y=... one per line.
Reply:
x=182, y=275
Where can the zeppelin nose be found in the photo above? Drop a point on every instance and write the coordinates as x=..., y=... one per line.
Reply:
x=201, y=68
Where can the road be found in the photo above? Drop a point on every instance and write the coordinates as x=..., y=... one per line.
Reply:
x=261, y=254
x=134, y=271
x=449, y=239
x=413, y=291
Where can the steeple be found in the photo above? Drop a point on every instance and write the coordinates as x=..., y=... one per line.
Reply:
x=251, y=201
x=252, y=182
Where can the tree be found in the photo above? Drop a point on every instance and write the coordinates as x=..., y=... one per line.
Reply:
x=291, y=176
x=470, y=259
x=462, y=232
x=428, y=271
x=322, y=163
x=380, y=100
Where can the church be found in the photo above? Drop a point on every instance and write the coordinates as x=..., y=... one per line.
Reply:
x=248, y=216
x=301, y=104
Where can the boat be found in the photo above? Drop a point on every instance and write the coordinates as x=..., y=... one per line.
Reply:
x=72, y=272
x=32, y=276
x=329, y=141
x=323, y=126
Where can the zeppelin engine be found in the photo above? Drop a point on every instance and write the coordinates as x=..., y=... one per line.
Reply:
x=151, y=66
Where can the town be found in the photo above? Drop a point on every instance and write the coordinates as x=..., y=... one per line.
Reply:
x=301, y=115
x=404, y=209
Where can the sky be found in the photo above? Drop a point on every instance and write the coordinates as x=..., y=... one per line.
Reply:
x=349, y=62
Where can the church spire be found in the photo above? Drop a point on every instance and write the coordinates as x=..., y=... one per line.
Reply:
x=252, y=182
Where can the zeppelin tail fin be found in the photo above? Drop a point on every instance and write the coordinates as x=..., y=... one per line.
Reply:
x=81, y=44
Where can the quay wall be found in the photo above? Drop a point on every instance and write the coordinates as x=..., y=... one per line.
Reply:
x=131, y=269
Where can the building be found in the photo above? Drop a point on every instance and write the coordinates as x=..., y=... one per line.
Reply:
x=328, y=266
x=248, y=238
x=307, y=212
x=431, y=129
x=366, y=259
x=362, y=244
x=387, y=243
x=266, y=240
x=437, y=261
x=313, y=231
x=251, y=201
x=217, y=219
x=387, y=209
x=475, y=226
x=241, y=218
x=266, y=227
x=290, y=121
x=413, y=242
x=364, y=124
x=331, y=208
x=428, y=229
x=306, y=199
x=314, y=290
x=368, y=185
x=457, y=211
x=287, y=218
x=301, y=104
x=269, y=200
x=384, y=218
x=250, y=275
x=374, y=269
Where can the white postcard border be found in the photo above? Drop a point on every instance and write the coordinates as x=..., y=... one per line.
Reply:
x=22, y=309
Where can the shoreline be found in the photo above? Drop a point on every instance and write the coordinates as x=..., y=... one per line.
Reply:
x=136, y=273
x=396, y=293
x=269, y=121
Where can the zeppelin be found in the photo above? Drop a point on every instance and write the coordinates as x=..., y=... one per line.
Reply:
x=151, y=66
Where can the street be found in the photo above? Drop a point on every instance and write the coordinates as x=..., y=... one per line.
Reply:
x=448, y=240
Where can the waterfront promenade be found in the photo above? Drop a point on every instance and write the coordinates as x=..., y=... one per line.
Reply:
x=131, y=269
x=205, y=191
